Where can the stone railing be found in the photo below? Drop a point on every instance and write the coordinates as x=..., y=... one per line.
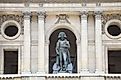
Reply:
x=60, y=76
x=112, y=76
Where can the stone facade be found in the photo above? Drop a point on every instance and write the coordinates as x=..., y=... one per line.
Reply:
x=36, y=22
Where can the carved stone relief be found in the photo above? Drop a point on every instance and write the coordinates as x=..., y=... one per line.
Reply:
x=18, y=18
x=107, y=17
x=62, y=18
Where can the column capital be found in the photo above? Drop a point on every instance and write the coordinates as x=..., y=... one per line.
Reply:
x=41, y=15
x=84, y=14
x=98, y=14
x=27, y=14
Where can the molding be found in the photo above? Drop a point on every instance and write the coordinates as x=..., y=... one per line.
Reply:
x=60, y=7
x=60, y=75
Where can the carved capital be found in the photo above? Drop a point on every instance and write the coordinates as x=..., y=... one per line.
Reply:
x=41, y=15
x=27, y=15
x=84, y=14
x=98, y=14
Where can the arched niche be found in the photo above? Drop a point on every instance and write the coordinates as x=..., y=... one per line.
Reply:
x=73, y=49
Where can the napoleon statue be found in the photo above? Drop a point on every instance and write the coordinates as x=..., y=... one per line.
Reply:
x=63, y=62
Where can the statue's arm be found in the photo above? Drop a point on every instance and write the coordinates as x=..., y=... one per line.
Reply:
x=57, y=47
x=68, y=44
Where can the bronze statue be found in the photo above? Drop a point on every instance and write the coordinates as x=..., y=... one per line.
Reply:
x=63, y=62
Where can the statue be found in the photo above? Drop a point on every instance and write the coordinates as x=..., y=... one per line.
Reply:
x=63, y=63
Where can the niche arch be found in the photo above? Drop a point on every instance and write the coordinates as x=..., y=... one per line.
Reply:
x=73, y=49
x=72, y=28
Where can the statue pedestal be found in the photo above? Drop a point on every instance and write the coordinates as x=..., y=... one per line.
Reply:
x=56, y=69
x=62, y=72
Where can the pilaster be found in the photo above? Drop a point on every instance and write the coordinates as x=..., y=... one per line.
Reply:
x=41, y=42
x=27, y=43
x=84, y=42
x=98, y=42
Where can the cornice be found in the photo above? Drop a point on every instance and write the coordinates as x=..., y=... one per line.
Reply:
x=60, y=7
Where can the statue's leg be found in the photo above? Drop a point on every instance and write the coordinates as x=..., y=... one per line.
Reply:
x=60, y=57
x=65, y=60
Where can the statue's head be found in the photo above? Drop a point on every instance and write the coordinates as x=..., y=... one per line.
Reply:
x=62, y=35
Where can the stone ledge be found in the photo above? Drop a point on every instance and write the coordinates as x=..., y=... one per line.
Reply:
x=60, y=75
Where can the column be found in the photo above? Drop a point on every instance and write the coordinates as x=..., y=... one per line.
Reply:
x=41, y=42
x=47, y=42
x=78, y=55
x=27, y=52
x=84, y=43
x=98, y=42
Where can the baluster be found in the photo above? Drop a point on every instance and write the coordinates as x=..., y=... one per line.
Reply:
x=49, y=78
x=107, y=78
x=119, y=78
x=112, y=78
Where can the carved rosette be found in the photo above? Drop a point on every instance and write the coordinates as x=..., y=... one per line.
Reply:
x=18, y=18
x=107, y=17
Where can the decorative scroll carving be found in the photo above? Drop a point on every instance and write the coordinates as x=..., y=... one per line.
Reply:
x=18, y=18
x=107, y=17
x=62, y=18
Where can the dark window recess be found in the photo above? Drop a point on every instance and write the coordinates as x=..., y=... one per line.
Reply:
x=114, y=30
x=11, y=30
x=114, y=61
x=10, y=62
